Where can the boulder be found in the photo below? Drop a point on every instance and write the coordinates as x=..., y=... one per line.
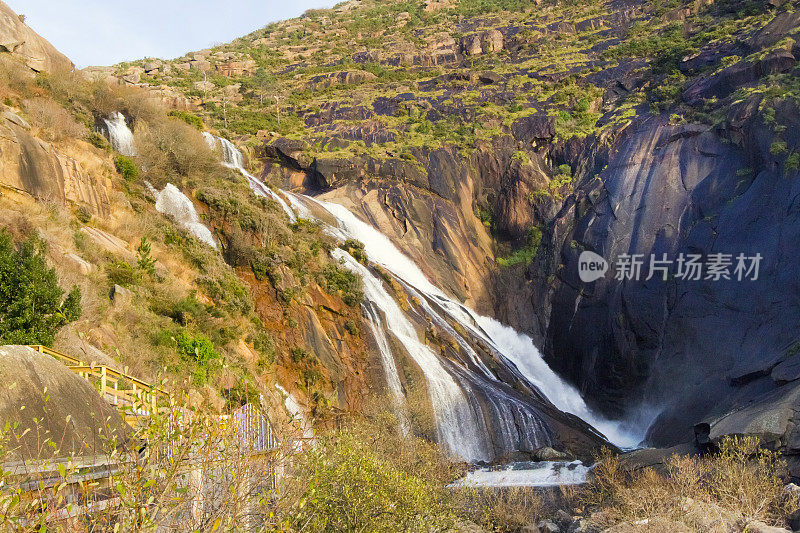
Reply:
x=204, y=86
x=778, y=28
x=237, y=68
x=548, y=526
x=120, y=296
x=19, y=39
x=133, y=75
x=549, y=454
x=200, y=64
x=350, y=77
x=742, y=73
x=487, y=77
x=533, y=128
x=83, y=266
x=58, y=404
x=760, y=527
x=107, y=241
x=770, y=418
x=564, y=519
x=793, y=520
x=480, y=43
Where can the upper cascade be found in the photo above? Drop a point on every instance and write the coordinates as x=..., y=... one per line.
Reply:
x=119, y=134
x=232, y=158
x=172, y=202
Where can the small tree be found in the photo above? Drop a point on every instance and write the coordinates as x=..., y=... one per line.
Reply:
x=143, y=258
x=32, y=304
x=265, y=81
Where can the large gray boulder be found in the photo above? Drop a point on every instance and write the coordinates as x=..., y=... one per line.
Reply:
x=44, y=401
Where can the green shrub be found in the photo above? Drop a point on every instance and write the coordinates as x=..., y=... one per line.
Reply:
x=264, y=345
x=83, y=214
x=189, y=118
x=792, y=162
x=352, y=488
x=424, y=127
x=299, y=355
x=524, y=255
x=144, y=260
x=32, y=304
x=485, y=215
x=351, y=328
x=198, y=349
x=98, y=141
x=122, y=273
x=356, y=249
x=342, y=281
x=777, y=147
x=126, y=167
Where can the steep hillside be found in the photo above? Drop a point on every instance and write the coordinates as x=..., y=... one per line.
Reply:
x=497, y=140
x=155, y=297
x=19, y=39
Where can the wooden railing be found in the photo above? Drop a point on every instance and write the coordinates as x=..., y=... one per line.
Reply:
x=66, y=359
x=133, y=396
x=253, y=437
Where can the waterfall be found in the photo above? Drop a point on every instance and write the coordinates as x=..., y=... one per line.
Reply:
x=378, y=329
x=456, y=422
x=173, y=203
x=233, y=158
x=119, y=135
x=478, y=416
x=515, y=347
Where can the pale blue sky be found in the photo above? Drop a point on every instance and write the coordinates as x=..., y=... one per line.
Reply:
x=104, y=32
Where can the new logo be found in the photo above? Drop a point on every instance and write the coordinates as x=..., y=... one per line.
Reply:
x=591, y=266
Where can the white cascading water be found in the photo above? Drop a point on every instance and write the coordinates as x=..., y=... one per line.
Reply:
x=378, y=329
x=119, y=134
x=456, y=422
x=516, y=347
x=173, y=203
x=233, y=158
x=296, y=411
x=541, y=474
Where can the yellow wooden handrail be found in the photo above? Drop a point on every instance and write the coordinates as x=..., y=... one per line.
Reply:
x=58, y=355
x=141, y=393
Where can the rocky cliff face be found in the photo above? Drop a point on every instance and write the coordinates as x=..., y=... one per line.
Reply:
x=35, y=167
x=22, y=42
x=691, y=349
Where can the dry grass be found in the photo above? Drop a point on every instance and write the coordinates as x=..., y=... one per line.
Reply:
x=171, y=150
x=505, y=509
x=55, y=122
x=742, y=484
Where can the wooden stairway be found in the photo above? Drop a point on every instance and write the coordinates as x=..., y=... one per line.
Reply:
x=133, y=397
